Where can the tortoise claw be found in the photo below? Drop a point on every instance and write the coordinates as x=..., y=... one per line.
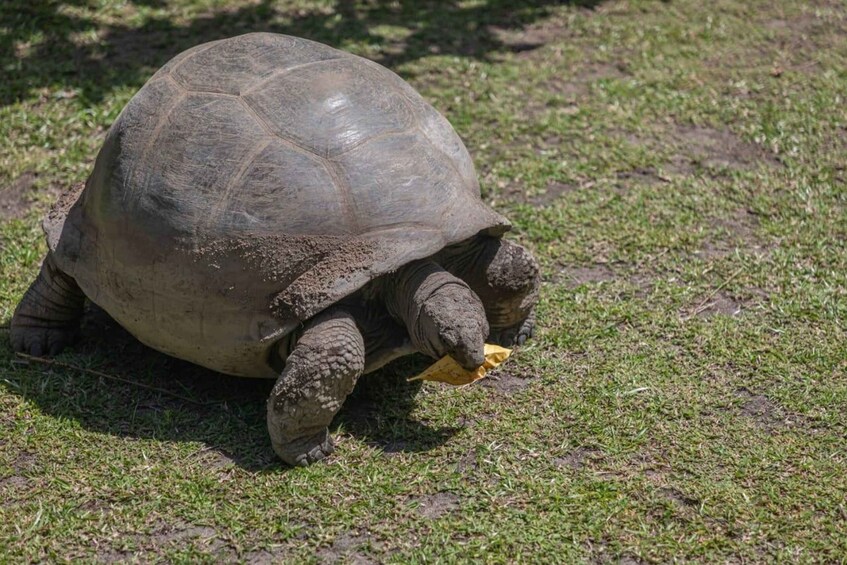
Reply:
x=305, y=451
x=515, y=335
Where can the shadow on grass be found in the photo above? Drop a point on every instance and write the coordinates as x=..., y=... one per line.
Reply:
x=40, y=47
x=172, y=400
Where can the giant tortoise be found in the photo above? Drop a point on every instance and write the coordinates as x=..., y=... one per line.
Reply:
x=267, y=206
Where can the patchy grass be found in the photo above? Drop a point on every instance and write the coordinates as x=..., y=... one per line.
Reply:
x=679, y=170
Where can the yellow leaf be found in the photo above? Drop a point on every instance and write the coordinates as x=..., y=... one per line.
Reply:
x=446, y=370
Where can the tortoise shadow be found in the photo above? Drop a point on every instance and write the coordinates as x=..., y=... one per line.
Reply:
x=111, y=383
x=40, y=46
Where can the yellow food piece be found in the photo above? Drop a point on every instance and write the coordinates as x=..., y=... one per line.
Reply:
x=446, y=370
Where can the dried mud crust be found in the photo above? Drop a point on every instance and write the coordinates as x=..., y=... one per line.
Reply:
x=67, y=198
x=306, y=267
x=319, y=375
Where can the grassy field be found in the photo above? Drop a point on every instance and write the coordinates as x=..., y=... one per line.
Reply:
x=679, y=170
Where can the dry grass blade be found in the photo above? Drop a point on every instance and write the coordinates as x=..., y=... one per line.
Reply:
x=705, y=302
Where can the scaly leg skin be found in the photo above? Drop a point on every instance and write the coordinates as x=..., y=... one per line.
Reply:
x=319, y=373
x=47, y=319
x=506, y=277
x=440, y=312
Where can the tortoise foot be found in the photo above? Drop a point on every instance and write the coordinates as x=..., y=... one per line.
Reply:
x=31, y=339
x=47, y=319
x=305, y=451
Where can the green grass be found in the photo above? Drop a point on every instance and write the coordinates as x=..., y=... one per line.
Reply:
x=679, y=170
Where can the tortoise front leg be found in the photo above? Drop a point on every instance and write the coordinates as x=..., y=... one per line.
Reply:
x=319, y=374
x=47, y=317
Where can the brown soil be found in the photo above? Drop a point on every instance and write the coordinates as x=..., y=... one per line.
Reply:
x=573, y=277
x=742, y=225
x=264, y=557
x=436, y=505
x=467, y=462
x=643, y=282
x=578, y=458
x=641, y=176
x=759, y=408
x=344, y=550
x=506, y=383
x=601, y=554
x=554, y=190
x=525, y=41
x=741, y=235
x=579, y=83
x=721, y=303
x=15, y=481
x=165, y=535
x=678, y=497
x=15, y=199
x=24, y=462
x=716, y=149
x=213, y=459
x=628, y=560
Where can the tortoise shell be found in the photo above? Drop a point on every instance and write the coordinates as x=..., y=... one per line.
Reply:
x=253, y=182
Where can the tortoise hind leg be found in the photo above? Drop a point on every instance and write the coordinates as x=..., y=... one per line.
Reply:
x=319, y=374
x=506, y=277
x=47, y=318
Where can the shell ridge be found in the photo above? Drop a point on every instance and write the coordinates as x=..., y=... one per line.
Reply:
x=186, y=59
x=443, y=153
x=374, y=138
x=268, y=129
x=168, y=78
x=434, y=145
x=343, y=190
x=398, y=226
x=278, y=72
x=249, y=159
x=129, y=192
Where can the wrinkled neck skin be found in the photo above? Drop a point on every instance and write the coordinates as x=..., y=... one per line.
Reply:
x=465, y=258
